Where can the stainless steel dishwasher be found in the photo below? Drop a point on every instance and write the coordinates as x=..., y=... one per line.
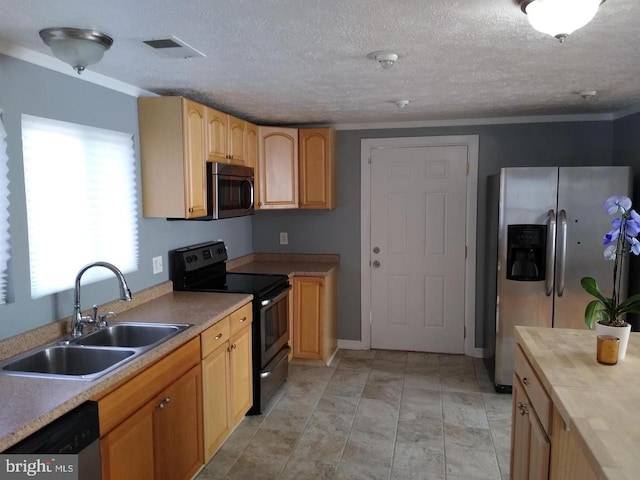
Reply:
x=76, y=432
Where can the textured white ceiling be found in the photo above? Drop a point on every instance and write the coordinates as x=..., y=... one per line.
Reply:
x=305, y=61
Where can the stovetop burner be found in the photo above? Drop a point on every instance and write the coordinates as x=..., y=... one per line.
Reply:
x=260, y=285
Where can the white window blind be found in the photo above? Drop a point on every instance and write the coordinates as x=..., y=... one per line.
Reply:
x=4, y=212
x=81, y=202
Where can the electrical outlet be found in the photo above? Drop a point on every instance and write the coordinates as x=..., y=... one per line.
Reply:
x=284, y=238
x=157, y=265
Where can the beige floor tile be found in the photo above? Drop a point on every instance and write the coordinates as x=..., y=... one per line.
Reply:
x=281, y=420
x=366, y=449
x=366, y=354
x=468, y=437
x=421, y=357
x=389, y=395
x=354, y=471
x=419, y=457
x=347, y=391
x=401, y=474
x=471, y=464
x=257, y=468
x=427, y=431
x=355, y=364
x=422, y=381
x=464, y=410
x=391, y=355
x=348, y=375
x=268, y=442
x=301, y=469
x=319, y=446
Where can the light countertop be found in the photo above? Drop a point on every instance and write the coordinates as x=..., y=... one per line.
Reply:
x=598, y=402
x=27, y=404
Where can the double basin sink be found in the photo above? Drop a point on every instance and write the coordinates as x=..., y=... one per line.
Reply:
x=92, y=355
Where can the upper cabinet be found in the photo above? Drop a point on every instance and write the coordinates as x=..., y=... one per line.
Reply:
x=172, y=151
x=317, y=168
x=296, y=168
x=225, y=140
x=278, y=168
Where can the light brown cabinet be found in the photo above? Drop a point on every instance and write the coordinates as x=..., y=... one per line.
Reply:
x=314, y=317
x=317, y=168
x=296, y=168
x=151, y=425
x=278, y=168
x=226, y=377
x=225, y=140
x=172, y=152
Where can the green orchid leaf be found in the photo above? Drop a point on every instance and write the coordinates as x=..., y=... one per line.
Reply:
x=593, y=313
x=590, y=285
x=633, y=300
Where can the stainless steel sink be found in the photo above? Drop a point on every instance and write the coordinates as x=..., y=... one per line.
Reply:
x=68, y=360
x=93, y=355
x=131, y=334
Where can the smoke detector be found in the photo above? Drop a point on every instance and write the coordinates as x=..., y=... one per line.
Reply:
x=386, y=58
x=587, y=94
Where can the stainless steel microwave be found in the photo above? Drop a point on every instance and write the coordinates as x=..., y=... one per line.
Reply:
x=229, y=191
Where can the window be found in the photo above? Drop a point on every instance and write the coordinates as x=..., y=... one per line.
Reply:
x=4, y=213
x=81, y=202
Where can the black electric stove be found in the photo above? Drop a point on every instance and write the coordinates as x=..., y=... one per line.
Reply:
x=202, y=268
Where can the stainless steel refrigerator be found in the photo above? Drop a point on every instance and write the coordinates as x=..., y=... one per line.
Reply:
x=549, y=222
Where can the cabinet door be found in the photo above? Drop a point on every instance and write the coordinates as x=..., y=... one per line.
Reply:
x=539, y=451
x=317, y=168
x=127, y=451
x=520, y=433
x=215, y=407
x=308, y=305
x=235, y=147
x=194, y=160
x=216, y=136
x=278, y=167
x=241, y=398
x=177, y=428
x=251, y=147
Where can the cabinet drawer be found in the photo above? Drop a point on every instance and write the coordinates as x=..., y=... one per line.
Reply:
x=240, y=318
x=215, y=336
x=534, y=389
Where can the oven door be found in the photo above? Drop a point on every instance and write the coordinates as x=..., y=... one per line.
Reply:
x=274, y=325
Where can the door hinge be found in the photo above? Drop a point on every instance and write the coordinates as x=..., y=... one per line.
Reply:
x=468, y=167
x=369, y=160
x=466, y=251
x=465, y=331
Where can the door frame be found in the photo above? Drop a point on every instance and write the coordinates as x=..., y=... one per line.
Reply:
x=366, y=146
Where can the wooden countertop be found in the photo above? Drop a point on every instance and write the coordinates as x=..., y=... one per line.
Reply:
x=306, y=265
x=28, y=404
x=596, y=401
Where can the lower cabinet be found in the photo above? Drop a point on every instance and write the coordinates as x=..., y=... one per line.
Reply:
x=151, y=425
x=541, y=445
x=226, y=377
x=314, y=317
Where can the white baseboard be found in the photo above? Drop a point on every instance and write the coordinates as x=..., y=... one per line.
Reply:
x=350, y=345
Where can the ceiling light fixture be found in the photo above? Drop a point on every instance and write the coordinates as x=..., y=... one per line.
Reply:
x=401, y=103
x=386, y=58
x=587, y=94
x=559, y=18
x=75, y=46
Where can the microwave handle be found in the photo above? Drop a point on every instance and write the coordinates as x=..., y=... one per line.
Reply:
x=251, y=205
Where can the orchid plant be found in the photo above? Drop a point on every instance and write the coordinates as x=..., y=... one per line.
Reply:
x=618, y=242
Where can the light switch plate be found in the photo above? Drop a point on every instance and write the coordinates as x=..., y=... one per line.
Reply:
x=157, y=265
x=284, y=238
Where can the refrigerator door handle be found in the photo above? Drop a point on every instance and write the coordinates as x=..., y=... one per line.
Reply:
x=563, y=251
x=551, y=253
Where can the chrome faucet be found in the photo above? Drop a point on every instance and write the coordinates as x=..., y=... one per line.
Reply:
x=77, y=320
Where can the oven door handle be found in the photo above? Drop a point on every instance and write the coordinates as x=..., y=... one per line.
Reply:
x=280, y=296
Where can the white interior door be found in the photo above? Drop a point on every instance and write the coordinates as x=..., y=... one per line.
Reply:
x=418, y=220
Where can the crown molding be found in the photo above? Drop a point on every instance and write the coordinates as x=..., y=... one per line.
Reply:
x=52, y=63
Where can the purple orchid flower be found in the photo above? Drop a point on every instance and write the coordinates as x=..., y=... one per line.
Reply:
x=617, y=204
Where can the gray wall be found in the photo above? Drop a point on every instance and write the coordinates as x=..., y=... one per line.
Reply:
x=580, y=143
x=626, y=151
x=26, y=88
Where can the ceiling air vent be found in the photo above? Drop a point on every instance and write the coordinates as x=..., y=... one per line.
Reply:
x=173, y=47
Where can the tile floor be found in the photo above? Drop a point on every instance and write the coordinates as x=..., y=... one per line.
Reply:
x=375, y=415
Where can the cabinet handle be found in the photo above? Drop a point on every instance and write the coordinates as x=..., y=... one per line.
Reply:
x=234, y=346
x=166, y=400
x=524, y=408
x=190, y=209
x=526, y=382
x=218, y=337
x=163, y=403
x=243, y=319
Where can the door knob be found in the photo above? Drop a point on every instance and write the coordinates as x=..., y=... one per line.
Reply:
x=376, y=250
x=375, y=264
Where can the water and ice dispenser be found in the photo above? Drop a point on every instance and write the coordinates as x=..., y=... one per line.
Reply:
x=526, y=252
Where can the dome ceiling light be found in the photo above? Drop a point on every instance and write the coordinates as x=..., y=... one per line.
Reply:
x=559, y=18
x=75, y=46
x=386, y=58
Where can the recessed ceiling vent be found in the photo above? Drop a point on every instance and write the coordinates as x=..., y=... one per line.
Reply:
x=173, y=47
